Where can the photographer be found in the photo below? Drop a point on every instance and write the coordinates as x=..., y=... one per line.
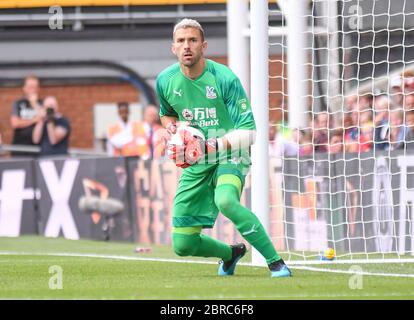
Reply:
x=52, y=130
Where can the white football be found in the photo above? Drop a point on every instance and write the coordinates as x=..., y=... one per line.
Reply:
x=176, y=138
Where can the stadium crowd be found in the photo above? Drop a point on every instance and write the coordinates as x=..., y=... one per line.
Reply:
x=367, y=122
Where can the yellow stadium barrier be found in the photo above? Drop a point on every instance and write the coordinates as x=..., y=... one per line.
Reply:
x=9, y=4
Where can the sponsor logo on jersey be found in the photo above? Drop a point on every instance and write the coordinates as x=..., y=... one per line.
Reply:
x=188, y=114
x=243, y=106
x=178, y=93
x=203, y=117
x=210, y=93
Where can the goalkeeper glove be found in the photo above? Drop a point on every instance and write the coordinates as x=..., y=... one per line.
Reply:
x=171, y=127
x=187, y=149
x=176, y=146
x=177, y=153
x=196, y=148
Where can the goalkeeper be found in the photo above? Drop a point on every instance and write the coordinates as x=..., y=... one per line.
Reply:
x=209, y=97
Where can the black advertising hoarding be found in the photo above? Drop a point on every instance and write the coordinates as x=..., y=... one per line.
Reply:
x=153, y=185
x=152, y=189
x=62, y=184
x=356, y=203
x=18, y=195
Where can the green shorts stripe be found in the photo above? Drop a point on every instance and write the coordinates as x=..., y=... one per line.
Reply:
x=193, y=221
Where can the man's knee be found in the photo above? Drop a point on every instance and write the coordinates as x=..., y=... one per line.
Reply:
x=226, y=200
x=185, y=244
x=224, y=204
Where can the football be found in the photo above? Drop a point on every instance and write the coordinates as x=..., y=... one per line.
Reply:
x=177, y=138
x=181, y=147
x=329, y=254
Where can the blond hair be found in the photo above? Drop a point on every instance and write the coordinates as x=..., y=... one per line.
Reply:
x=189, y=23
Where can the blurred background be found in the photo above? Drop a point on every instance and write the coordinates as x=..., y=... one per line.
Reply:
x=344, y=101
x=102, y=53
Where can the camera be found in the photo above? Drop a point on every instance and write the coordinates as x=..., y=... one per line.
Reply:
x=50, y=112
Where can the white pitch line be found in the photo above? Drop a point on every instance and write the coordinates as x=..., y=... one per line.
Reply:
x=103, y=256
x=349, y=261
x=117, y=257
x=365, y=273
x=357, y=294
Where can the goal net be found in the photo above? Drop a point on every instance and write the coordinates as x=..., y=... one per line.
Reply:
x=342, y=160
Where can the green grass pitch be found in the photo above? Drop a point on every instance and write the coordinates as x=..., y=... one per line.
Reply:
x=109, y=270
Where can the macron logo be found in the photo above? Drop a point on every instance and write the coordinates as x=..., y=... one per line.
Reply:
x=178, y=93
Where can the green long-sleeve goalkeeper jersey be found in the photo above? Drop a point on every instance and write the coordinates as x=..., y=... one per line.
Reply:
x=214, y=103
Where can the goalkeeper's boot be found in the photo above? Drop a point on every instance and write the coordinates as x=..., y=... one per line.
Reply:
x=226, y=268
x=279, y=269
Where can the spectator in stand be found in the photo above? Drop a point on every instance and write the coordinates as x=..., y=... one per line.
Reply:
x=320, y=131
x=382, y=106
x=52, y=129
x=408, y=104
x=127, y=137
x=351, y=103
x=291, y=146
x=365, y=101
x=358, y=125
x=351, y=136
x=25, y=114
x=407, y=82
x=283, y=145
x=273, y=148
x=396, y=92
x=152, y=125
x=336, y=144
x=305, y=142
x=366, y=131
x=409, y=123
x=398, y=131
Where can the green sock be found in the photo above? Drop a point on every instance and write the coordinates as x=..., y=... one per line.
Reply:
x=199, y=245
x=227, y=200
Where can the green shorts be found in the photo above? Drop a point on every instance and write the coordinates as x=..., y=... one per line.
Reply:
x=194, y=201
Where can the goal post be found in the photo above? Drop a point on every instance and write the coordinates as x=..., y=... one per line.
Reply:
x=259, y=54
x=259, y=63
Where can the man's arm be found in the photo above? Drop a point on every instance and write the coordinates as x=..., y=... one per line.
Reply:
x=237, y=139
x=38, y=129
x=239, y=108
x=19, y=123
x=166, y=121
x=56, y=133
